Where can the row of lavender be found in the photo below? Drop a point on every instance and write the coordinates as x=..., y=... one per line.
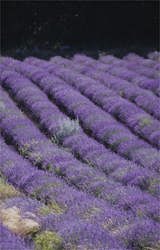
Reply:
x=127, y=112
x=72, y=209
x=101, y=125
x=55, y=194
x=25, y=219
x=71, y=135
x=63, y=164
x=144, y=73
x=30, y=145
x=95, y=69
x=73, y=204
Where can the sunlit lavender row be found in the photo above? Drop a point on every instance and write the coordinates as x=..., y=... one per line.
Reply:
x=80, y=153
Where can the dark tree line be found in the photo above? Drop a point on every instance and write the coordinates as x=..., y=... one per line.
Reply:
x=55, y=24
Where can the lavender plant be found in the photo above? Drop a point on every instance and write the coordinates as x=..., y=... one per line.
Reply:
x=74, y=175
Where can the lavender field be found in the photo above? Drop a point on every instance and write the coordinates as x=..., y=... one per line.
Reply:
x=80, y=153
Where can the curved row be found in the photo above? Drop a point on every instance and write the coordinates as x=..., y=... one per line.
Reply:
x=78, y=221
x=49, y=189
x=56, y=194
x=78, y=142
x=135, y=66
x=116, y=221
x=135, y=118
x=119, y=68
x=125, y=70
x=102, y=125
x=27, y=217
x=103, y=128
x=62, y=164
x=141, y=97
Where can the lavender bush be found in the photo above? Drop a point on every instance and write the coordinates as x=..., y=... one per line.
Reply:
x=80, y=159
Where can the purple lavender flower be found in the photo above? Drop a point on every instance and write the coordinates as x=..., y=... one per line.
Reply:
x=11, y=241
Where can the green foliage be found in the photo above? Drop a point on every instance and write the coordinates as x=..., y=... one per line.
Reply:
x=52, y=208
x=48, y=241
x=7, y=190
x=145, y=121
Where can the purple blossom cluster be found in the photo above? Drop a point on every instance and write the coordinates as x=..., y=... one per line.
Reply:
x=79, y=143
x=137, y=68
x=135, y=93
x=74, y=172
x=9, y=240
x=100, y=124
x=56, y=194
x=119, y=107
x=80, y=159
x=82, y=216
x=134, y=72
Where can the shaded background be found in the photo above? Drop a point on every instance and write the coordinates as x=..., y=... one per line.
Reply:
x=45, y=28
